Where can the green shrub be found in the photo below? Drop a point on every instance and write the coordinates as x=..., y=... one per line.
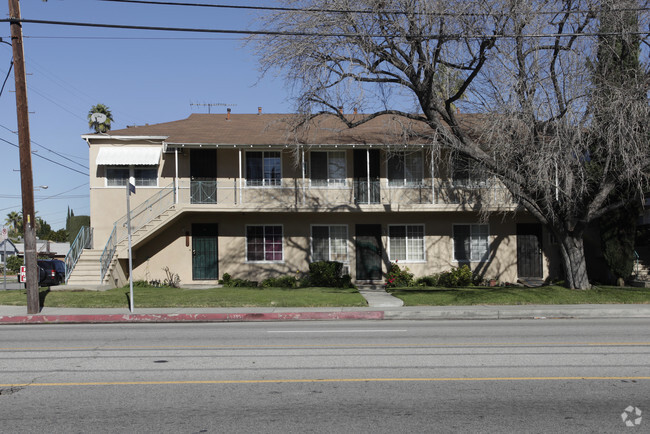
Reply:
x=14, y=263
x=280, y=282
x=457, y=276
x=431, y=280
x=396, y=277
x=229, y=282
x=328, y=274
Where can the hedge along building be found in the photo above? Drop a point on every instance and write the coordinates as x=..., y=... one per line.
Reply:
x=256, y=196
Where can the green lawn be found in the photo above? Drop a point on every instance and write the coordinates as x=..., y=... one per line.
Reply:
x=512, y=295
x=175, y=297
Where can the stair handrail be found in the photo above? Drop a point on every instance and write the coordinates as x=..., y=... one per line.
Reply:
x=82, y=241
x=636, y=264
x=140, y=215
x=145, y=212
x=107, y=254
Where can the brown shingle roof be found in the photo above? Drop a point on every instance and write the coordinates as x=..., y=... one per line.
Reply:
x=275, y=129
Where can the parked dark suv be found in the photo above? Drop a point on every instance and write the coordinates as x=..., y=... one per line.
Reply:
x=54, y=272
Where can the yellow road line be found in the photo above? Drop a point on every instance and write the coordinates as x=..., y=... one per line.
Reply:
x=221, y=347
x=316, y=380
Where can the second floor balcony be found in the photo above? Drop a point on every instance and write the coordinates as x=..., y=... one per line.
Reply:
x=296, y=193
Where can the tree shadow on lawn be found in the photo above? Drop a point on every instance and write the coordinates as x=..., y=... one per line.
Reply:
x=41, y=297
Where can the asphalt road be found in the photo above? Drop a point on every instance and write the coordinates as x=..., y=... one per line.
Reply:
x=357, y=376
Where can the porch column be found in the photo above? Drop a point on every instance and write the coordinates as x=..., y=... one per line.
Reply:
x=303, y=175
x=433, y=178
x=176, y=178
x=240, y=177
x=368, y=172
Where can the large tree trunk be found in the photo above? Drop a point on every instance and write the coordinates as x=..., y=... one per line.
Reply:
x=573, y=258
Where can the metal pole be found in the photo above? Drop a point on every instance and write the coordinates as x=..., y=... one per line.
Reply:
x=4, y=265
x=128, y=231
x=26, y=180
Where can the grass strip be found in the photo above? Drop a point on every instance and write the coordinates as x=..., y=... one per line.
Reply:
x=511, y=295
x=177, y=297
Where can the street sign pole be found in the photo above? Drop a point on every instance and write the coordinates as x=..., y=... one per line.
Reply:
x=129, y=188
x=4, y=256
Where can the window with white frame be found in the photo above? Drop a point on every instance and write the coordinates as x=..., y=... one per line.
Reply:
x=263, y=169
x=143, y=176
x=405, y=168
x=465, y=173
x=329, y=243
x=471, y=243
x=264, y=243
x=327, y=168
x=406, y=242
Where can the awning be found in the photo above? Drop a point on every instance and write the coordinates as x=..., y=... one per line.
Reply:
x=129, y=155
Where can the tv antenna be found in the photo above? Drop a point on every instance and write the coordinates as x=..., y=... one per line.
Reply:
x=212, y=104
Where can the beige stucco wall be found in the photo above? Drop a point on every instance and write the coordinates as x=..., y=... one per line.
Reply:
x=172, y=248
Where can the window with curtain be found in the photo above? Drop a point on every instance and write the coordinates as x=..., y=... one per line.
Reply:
x=329, y=243
x=406, y=243
x=471, y=243
x=327, y=168
x=144, y=176
x=405, y=169
x=263, y=169
x=264, y=243
x=116, y=176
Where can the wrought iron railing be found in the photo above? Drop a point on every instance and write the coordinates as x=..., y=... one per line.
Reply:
x=140, y=216
x=107, y=253
x=203, y=191
x=82, y=241
x=367, y=193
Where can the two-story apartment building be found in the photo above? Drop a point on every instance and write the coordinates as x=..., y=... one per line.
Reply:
x=252, y=196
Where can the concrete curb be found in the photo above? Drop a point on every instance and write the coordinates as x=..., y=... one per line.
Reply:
x=187, y=317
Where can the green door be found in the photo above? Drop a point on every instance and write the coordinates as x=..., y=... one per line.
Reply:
x=368, y=252
x=205, y=254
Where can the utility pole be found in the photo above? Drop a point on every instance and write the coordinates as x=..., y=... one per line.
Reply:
x=26, y=180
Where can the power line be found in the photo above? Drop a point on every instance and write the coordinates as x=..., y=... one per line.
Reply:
x=361, y=11
x=49, y=197
x=46, y=148
x=45, y=158
x=285, y=33
x=7, y=77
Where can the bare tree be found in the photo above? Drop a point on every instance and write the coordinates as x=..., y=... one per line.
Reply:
x=521, y=67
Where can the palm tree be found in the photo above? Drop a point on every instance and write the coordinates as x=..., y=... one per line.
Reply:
x=93, y=124
x=14, y=219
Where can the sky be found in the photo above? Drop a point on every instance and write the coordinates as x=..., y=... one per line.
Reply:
x=142, y=76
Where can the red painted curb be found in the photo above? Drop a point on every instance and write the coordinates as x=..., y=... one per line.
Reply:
x=187, y=317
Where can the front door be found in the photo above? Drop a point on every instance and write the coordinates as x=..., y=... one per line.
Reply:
x=529, y=250
x=203, y=176
x=368, y=252
x=205, y=252
x=366, y=176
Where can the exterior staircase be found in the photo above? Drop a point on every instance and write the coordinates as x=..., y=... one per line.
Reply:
x=86, y=272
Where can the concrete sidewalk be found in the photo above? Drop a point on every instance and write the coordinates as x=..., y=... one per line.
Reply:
x=51, y=315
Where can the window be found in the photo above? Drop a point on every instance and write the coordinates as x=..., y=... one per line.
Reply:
x=146, y=176
x=465, y=173
x=143, y=176
x=406, y=243
x=329, y=243
x=117, y=176
x=327, y=168
x=405, y=169
x=470, y=243
x=264, y=243
x=263, y=169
